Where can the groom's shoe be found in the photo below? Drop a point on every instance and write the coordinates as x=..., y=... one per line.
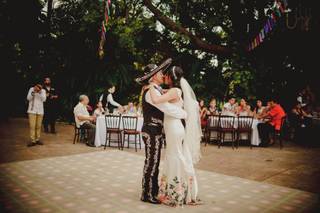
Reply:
x=152, y=200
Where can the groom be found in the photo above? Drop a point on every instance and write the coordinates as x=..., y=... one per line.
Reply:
x=152, y=129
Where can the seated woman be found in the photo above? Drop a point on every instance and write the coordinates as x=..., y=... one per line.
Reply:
x=99, y=110
x=203, y=113
x=131, y=109
x=259, y=109
x=212, y=110
x=243, y=109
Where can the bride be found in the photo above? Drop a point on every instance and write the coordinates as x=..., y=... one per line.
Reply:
x=178, y=183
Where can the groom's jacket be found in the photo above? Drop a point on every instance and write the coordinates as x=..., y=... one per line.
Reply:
x=152, y=116
x=153, y=113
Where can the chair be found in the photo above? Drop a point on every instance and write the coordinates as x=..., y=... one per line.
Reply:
x=130, y=128
x=278, y=134
x=80, y=134
x=226, y=126
x=113, y=127
x=213, y=123
x=244, y=126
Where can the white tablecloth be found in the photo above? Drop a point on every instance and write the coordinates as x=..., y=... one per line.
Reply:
x=101, y=132
x=255, y=140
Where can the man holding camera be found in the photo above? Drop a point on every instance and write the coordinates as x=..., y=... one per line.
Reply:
x=36, y=96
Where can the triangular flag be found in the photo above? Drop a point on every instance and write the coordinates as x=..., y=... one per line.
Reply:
x=262, y=34
x=265, y=28
x=280, y=7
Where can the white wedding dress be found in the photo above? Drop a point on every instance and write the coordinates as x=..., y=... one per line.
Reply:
x=178, y=183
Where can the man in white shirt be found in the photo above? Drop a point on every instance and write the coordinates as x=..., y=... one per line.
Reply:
x=36, y=96
x=230, y=107
x=83, y=118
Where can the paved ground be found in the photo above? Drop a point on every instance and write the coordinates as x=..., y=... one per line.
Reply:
x=109, y=181
x=294, y=166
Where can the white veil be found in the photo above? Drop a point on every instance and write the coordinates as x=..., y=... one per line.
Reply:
x=193, y=132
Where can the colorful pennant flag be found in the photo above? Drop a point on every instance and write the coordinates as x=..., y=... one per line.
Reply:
x=103, y=27
x=279, y=7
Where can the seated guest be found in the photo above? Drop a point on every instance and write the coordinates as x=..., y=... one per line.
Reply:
x=259, y=109
x=99, y=110
x=90, y=109
x=229, y=108
x=203, y=113
x=212, y=110
x=131, y=109
x=275, y=114
x=83, y=118
x=243, y=109
x=300, y=117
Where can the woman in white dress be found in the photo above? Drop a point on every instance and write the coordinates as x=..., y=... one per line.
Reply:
x=178, y=183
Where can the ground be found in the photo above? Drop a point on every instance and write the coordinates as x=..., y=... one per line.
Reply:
x=294, y=166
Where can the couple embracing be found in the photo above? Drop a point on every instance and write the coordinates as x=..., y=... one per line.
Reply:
x=176, y=111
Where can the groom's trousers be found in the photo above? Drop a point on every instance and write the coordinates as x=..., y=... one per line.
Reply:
x=152, y=138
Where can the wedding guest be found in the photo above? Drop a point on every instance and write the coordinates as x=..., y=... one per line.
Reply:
x=107, y=100
x=259, y=109
x=203, y=113
x=300, y=118
x=131, y=108
x=83, y=118
x=243, y=109
x=36, y=96
x=212, y=110
x=99, y=110
x=230, y=107
x=275, y=115
x=50, y=107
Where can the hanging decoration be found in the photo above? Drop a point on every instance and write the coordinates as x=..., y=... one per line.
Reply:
x=104, y=23
x=277, y=10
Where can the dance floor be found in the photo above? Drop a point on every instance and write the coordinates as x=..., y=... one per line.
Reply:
x=109, y=181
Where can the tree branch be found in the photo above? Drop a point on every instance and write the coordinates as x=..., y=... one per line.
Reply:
x=197, y=42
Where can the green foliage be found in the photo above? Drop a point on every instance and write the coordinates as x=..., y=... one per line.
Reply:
x=67, y=51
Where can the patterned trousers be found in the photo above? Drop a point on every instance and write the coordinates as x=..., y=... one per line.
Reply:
x=152, y=138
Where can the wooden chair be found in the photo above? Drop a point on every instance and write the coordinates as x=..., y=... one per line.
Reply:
x=279, y=134
x=130, y=128
x=113, y=127
x=226, y=125
x=213, y=125
x=80, y=134
x=244, y=126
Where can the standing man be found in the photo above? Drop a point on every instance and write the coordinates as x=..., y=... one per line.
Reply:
x=36, y=96
x=50, y=107
x=152, y=129
x=107, y=100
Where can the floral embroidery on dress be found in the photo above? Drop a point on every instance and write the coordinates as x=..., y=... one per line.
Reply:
x=173, y=192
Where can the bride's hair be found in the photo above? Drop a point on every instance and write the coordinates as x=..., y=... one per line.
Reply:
x=175, y=73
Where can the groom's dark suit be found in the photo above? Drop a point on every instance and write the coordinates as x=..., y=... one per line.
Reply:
x=153, y=139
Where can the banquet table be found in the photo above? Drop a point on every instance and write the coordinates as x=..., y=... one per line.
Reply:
x=101, y=131
x=255, y=140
